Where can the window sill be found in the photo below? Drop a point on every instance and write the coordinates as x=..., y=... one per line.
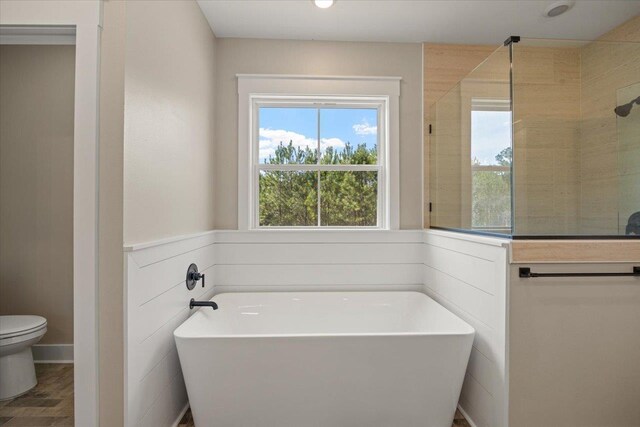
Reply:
x=310, y=236
x=318, y=229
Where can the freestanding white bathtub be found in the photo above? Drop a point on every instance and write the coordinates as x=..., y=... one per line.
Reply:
x=324, y=359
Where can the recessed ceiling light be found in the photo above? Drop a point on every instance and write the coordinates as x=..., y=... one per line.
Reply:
x=323, y=4
x=557, y=8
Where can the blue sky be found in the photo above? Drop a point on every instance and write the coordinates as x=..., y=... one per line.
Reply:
x=490, y=130
x=490, y=134
x=300, y=125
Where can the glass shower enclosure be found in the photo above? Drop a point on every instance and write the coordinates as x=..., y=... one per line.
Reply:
x=540, y=140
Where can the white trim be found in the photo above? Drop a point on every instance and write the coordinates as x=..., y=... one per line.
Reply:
x=490, y=104
x=130, y=247
x=315, y=77
x=320, y=236
x=255, y=86
x=485, y=240
x=225, y=289
x=41, y=35
x=316, y=167
x=380, y=104
x=285, y=236
x=491, y=168
x=53, y=353
x=85, y=16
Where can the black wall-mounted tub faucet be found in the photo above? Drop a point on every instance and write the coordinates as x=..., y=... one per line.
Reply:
x=193, y=303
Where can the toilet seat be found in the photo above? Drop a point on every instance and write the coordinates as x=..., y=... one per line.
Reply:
x=17, y=326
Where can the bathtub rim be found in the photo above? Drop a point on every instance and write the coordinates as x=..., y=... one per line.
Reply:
x=468, y=329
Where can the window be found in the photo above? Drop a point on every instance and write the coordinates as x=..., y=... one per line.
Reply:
x=317, y=161
x=491, y=159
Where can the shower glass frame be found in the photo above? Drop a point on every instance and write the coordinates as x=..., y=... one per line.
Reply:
x=550, y=183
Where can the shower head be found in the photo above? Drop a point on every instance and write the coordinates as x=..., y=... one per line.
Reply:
x=625, y=109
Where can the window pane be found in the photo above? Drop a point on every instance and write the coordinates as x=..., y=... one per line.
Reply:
x=490, y=137
x=491, y=199
x=288, y=198
x=348, y=136
x=491, y=156
x=288, y=135
x=349, y=198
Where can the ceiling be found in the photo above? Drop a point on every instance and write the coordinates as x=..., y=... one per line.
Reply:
x=442, y=21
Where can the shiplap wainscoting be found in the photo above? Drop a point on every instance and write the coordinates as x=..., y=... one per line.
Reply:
x=326, y=260
x=240, y=261
x=467, y=275
x=156, y=303
x=464, y=273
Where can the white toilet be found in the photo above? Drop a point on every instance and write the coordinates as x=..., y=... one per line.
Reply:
x=17, y=335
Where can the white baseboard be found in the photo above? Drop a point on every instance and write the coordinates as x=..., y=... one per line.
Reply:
x=466, y=416
x=53, y=353
x=184, y=411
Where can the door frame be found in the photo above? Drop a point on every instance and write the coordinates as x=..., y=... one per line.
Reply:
x=85, y=17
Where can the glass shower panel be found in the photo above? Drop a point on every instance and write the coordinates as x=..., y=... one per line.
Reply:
x=541, y=139
x=546, y=123
x=574, y=166
x=470, y=151
x=628, y=130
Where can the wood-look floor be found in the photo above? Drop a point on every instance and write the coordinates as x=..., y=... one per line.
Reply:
x=458, y=421
x=50, y=403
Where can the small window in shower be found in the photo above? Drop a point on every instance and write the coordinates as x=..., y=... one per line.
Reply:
x=491, y=159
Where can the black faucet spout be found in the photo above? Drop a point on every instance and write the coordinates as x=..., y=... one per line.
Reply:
x=194, y=303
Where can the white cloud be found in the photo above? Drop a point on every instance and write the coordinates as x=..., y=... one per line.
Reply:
x=331, y=142
x=271, y=138
x=364, y=128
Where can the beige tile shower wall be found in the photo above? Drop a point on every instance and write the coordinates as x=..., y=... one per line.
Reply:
x=606, y=69
x=36, y=185
x=629, y=157
x=444, y=65
x=446, y=161
x=254, y=56
x=546, y=113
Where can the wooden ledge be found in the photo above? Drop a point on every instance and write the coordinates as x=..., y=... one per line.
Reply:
x=574, y=251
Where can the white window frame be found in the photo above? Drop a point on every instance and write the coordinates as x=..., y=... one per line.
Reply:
x=382, y=93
